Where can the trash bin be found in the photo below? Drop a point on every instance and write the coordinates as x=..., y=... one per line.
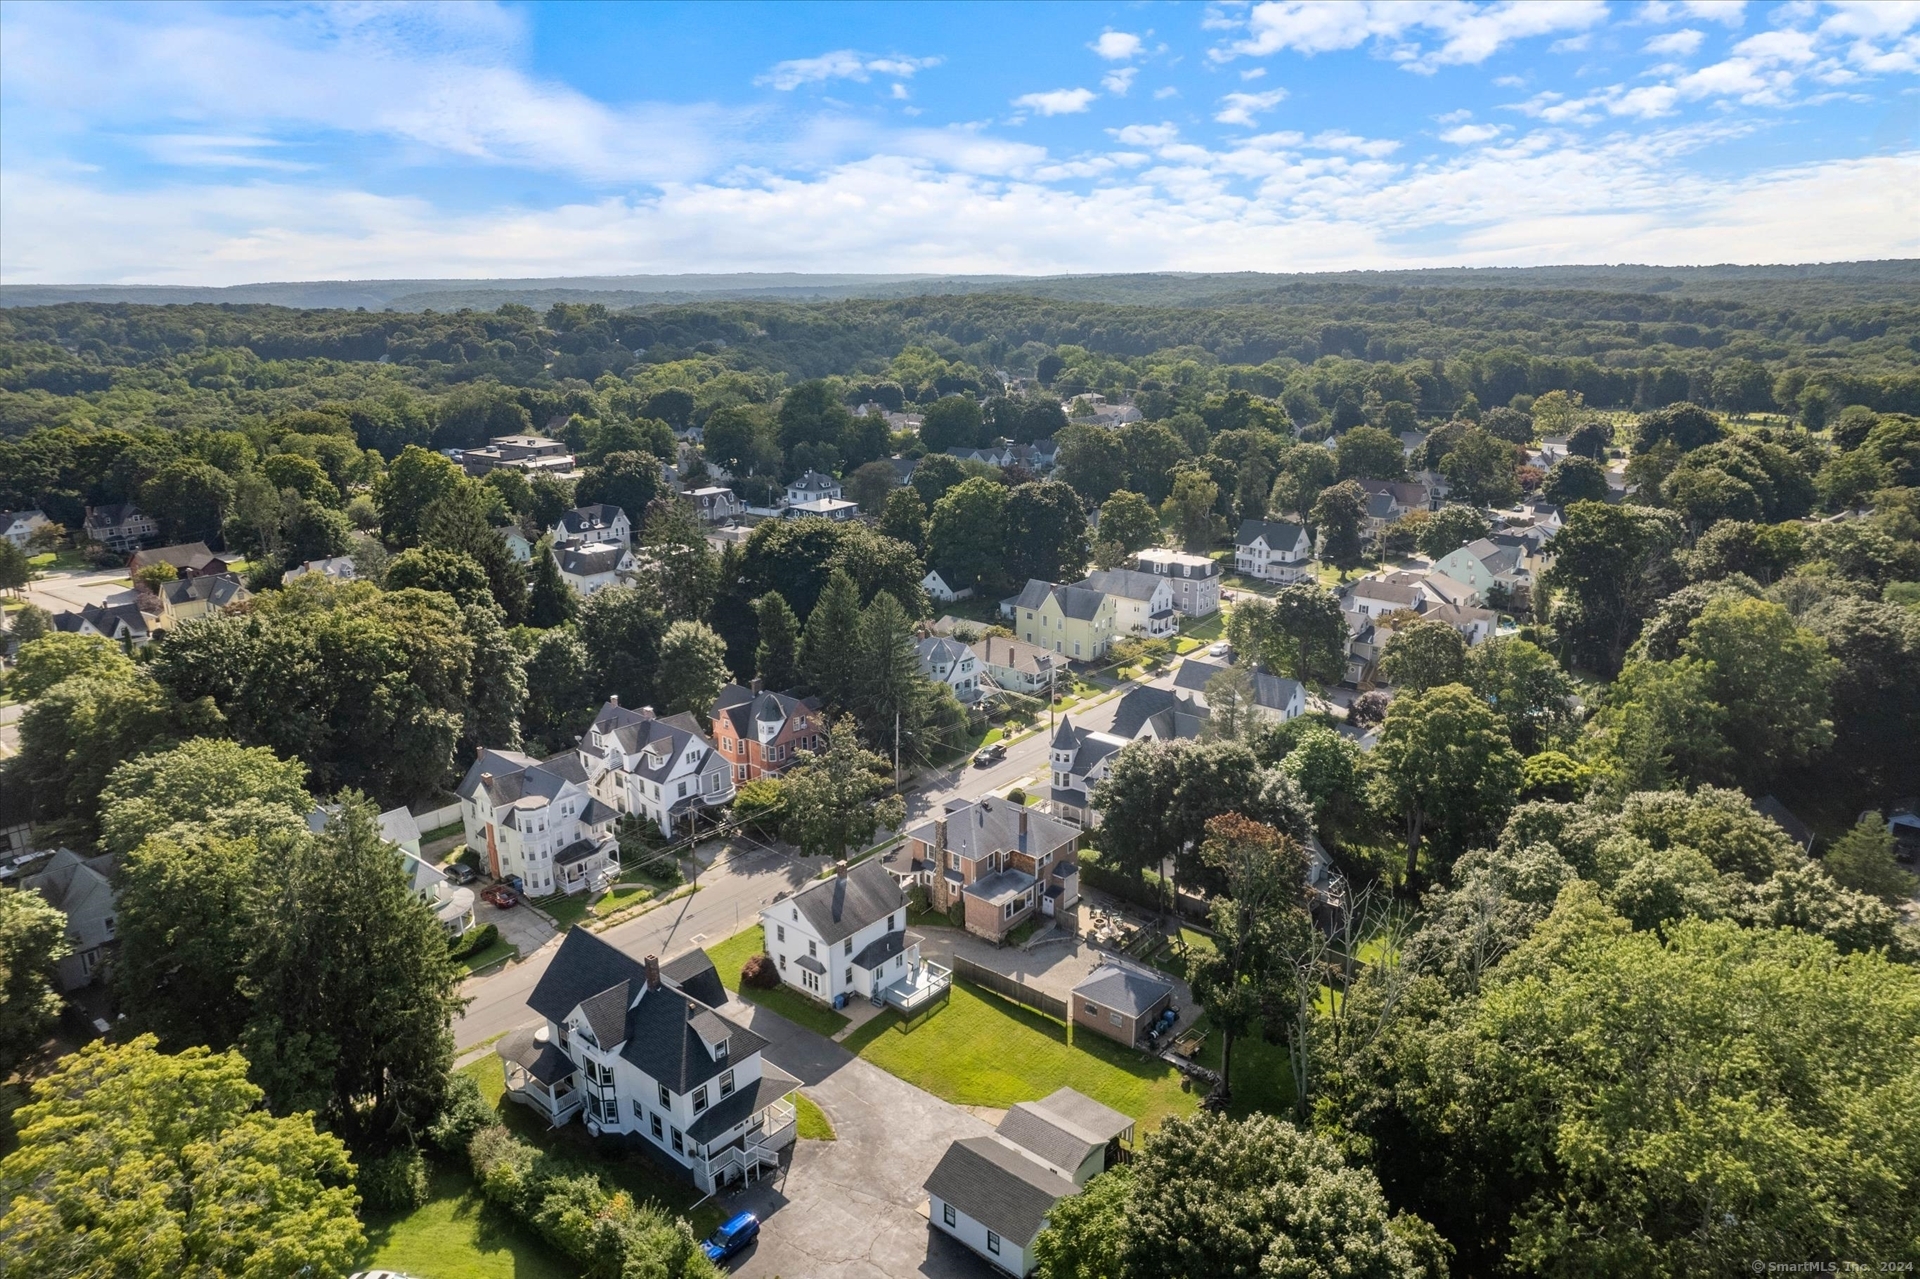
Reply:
x=840, y=1000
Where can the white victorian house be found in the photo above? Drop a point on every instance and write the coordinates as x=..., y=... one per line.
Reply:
x=1272, y=551
x=948, y=661
x=661, y=769
x=636, y=1047
x=536, y=823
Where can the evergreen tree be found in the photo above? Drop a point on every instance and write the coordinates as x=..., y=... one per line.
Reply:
x=677, y=556
x=829, y=648
x=693, y=668
x=458, y=522
x=776, y=659
x=355, y=993
x=891, y=690
x=550, y=601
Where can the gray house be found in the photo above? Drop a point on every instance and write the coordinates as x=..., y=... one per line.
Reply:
x=81, y=888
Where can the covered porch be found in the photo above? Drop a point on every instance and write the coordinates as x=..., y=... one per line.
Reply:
x=741, y=1138
x=539, y=1075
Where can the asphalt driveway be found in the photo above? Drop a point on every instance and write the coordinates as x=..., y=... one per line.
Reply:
x=850, y=1208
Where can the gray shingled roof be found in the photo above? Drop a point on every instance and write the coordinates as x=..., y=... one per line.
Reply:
x=1170, y=714
x=1008, y=1192
x=978, y=827
x=839, y=907
x=1280, y=534
x=1122, y=989
x=1127, y=582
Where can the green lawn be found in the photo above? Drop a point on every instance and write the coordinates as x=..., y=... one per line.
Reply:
x=622, y=896
x=567, y=909
x=1262, y=1076
x=730, y=954
x=979, y=1050
x=813, y=1121
x=458, y=1235
x=490, y=956
x=72, y=558
x=442, y=832
x=1207, y=629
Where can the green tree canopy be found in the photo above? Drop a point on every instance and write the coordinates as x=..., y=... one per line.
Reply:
x=1445, y=769
x=837, y=798
x=41, y=663
x=1369, y=453
x=208, y=783
x=33, y=941
x=967, y=536
x=1128, y=519
x=693, y=669
x=433, y=569
x=1423, y=653
x=1338, y=514
x=137, y=1163
x=776, y=660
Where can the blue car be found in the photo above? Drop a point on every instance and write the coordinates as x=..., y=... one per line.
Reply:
x=732, y=1237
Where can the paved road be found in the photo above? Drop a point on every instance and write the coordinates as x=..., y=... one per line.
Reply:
x=732, y=893
x=61, y=592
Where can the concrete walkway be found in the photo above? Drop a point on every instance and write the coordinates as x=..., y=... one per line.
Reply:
x=851, y=1208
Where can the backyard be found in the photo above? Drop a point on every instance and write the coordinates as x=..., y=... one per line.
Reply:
x=977, y=1049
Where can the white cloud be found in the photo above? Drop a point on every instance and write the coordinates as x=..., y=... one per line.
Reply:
x=1334, y=140
x=1146, y=135
x=1253, y=73
x=1166, y=91
x=1454, y=117
x=1057, y=101
x=1119, y=80
x=1679, y=44
x=1116, y=46
x=1240, y=108
x=1512, y=206
x=1466, y=33
x=1572, y=44
x=1511, y=81
x=1468, y=134
x=841, y=64
x=899, y=90
x=1730, y=12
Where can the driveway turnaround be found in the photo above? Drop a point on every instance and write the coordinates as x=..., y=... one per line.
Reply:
x=850, y=1208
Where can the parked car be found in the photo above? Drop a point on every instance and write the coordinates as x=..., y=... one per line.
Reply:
x=732, y=1237
x=460, y=873
x=987, y=756
x=1219, y=650
x=499, y=895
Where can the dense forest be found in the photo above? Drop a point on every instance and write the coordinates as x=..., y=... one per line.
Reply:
x=1584, y=1007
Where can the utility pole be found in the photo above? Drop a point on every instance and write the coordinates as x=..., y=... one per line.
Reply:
x=896, y=751
x=1049, y=699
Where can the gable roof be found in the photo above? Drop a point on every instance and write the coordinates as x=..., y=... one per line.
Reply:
x=583, y=967
x=186, y=555
x=1028, y=659
x=841, y=905
x=217, y=589
x=1062, y=1128
x=1166, y=713
x=591, y=559
x=1122, y=990
x=694, y=973
x=587, y=519
x=744, y=708
x=1279, y=534
x=1275, y=692
x=1127, y=582
x=998, y=1185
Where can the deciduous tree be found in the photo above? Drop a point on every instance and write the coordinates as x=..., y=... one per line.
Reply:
x=1445, y=769
x=837, y=798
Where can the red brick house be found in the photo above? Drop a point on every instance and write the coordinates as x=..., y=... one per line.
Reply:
x=761, y=733
x=1004, y=862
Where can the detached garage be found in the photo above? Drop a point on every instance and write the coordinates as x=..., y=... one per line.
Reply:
x=1120, y=1003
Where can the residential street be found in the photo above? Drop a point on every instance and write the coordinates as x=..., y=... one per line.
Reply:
x=732, y=892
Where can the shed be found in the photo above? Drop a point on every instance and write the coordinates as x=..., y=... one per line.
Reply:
x=1120, y=1003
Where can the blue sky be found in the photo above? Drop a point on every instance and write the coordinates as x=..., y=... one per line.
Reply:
x=219, y=144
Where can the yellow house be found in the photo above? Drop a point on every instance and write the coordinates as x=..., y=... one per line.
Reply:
x=192, y=597
x=1073, y=621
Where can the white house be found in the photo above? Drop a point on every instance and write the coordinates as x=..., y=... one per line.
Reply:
x=948, y=661
x=536, y=822
x=662, y=769
x=593, y=566
x=82, y=889
x=517, y=544
x=993, y=1193
x=937, y=589
x=339, y=567
x=1142, y=602
x=826, y=508
x=812, y=487
x=585, y=525
x=18, y=526
x=638, y=1048
x=1079, y=758
x=845, y=935
x=1194, y=579
x=1485, y=563
x=717, y=505
x=1272, y=551
x=1019, y=667
x=123, y=623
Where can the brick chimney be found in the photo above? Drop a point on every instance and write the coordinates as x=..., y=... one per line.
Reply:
x=940, y=834
x=753, y=686
x=840, y=870
x=486, y=779
x=1023, y=829
x=653, y=972
x=646, y=712
x=613, y=699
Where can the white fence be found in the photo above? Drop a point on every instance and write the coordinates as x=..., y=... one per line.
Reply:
x=434, y=819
